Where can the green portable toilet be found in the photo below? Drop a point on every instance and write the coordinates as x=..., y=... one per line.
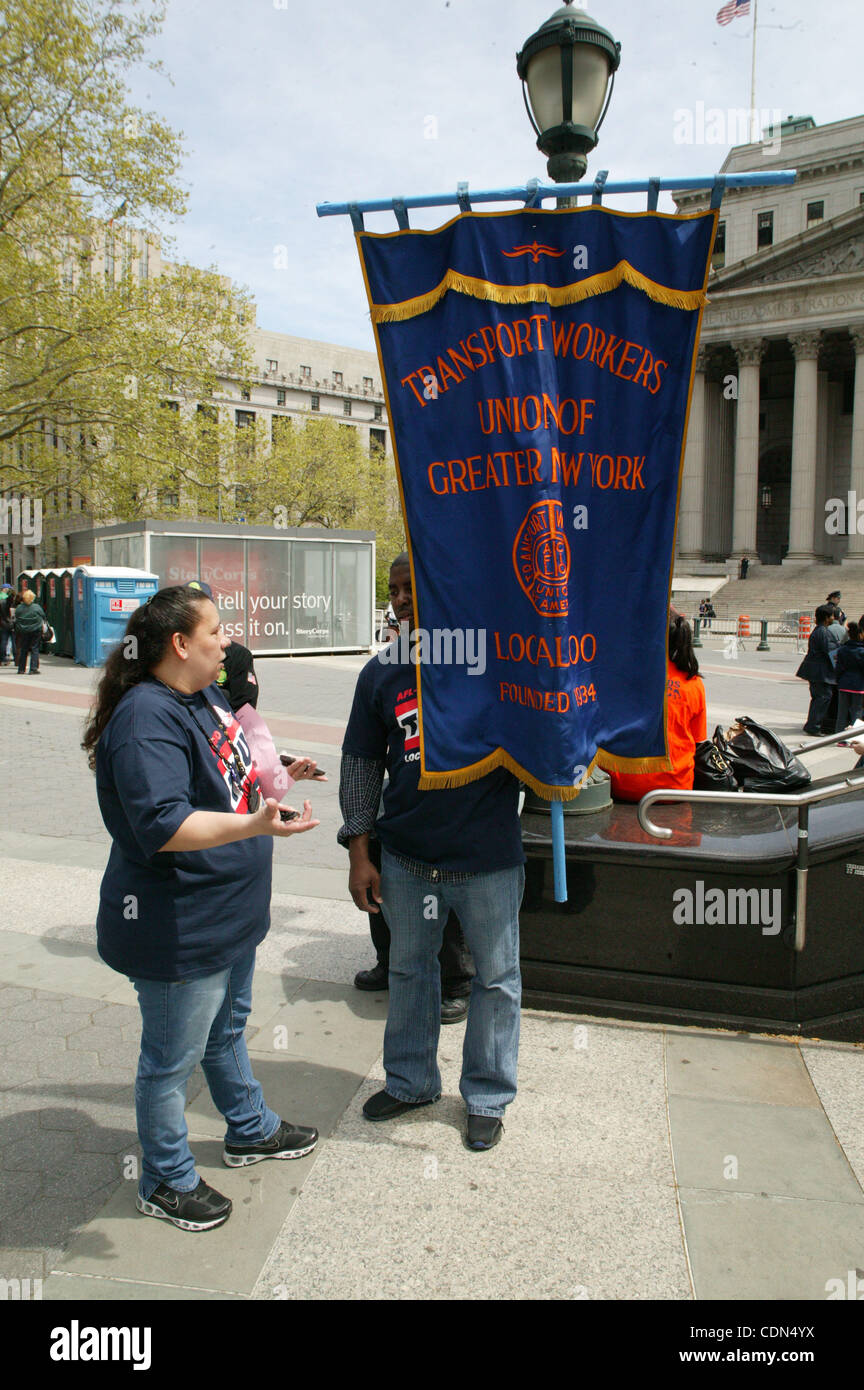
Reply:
x=65, y=644
x=52, y=602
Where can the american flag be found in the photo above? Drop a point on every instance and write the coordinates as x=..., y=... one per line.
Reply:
x=732, y=10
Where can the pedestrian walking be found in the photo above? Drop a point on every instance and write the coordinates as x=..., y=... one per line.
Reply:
x=818, y=669
x=185, y=899
x=30, y=621
x=458, y=849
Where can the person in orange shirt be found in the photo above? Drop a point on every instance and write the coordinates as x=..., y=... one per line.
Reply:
x=686, y=720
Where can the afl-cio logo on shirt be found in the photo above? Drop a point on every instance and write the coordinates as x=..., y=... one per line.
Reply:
x=541, y=558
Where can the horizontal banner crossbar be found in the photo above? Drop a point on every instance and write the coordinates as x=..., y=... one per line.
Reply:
x=773, y=178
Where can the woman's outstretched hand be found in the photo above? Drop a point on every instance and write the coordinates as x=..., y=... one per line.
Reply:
x=273, y=824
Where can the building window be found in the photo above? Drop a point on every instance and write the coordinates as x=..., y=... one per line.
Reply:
x=379, y=412
x=315, y=403
x=170, y=405
x=718, y=259
x=280, y=396
x=280, y=424
x=368, y=384
x=168, y=498
x=245, y=394
x=764, y=229
x=272, y=366
x=209, y=412
x=861, y=197
x=306, y=372
x=377, y=441
x=337, y=377
x=815, y=212
x=245, y=419
x=346, y=407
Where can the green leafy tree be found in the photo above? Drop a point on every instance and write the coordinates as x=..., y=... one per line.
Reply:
x=91, y=342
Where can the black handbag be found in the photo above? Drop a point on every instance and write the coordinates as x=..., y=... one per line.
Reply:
x=713, y=772
x=759, y=759
x=47, y=635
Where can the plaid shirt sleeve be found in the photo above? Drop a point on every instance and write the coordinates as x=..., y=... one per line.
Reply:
x=360, y=783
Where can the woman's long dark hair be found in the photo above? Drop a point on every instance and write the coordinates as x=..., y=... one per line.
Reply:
x=681, y=652
x=147, y=637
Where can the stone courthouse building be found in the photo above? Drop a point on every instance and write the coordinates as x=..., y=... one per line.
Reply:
x=777, y=412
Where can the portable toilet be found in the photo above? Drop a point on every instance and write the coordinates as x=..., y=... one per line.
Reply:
x=65, y=645
x=53, y=604
x=102, y=600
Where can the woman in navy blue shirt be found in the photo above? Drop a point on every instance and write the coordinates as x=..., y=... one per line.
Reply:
x=185, y=899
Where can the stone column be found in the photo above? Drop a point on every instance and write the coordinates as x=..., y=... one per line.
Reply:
x=855, y=553
x=691, y=508
x=745, y=499
x=805, y=419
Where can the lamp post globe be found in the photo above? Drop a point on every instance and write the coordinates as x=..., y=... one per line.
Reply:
x=568, y=70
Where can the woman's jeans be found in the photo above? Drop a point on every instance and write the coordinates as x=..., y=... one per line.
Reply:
x=185, y=1022
x=488, y=908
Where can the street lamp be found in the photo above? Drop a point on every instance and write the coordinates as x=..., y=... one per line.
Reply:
x=567, y=66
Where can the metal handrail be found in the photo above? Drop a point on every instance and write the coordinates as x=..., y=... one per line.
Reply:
x=801, y=800
x=854, y=731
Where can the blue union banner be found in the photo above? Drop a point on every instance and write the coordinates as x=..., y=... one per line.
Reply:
x=538, y=368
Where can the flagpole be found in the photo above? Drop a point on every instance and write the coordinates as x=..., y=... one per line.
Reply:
x=754, y=118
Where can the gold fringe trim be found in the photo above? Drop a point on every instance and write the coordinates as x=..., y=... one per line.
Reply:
x=610, y=763
x=539, y=293
x=461, y=776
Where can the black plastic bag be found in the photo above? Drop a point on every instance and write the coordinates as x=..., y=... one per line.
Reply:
x=760, y=760
x=713, y=772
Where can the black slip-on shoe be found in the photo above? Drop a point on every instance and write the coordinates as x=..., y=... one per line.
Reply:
x=289, y=1141
x=376, y=978
x=198, y=1210
x=383, y=1106
x=454, y=1010
x=483, y=1132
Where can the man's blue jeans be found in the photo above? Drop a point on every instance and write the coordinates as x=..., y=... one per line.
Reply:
x=185, y=1022
x=488, y=908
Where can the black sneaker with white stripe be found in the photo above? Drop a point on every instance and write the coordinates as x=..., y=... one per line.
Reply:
x=198, y=1210
x=289, y=1141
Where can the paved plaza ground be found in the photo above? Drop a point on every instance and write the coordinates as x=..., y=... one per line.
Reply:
x=638, y=1162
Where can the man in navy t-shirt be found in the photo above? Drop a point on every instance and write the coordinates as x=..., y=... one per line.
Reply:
x=458, y=849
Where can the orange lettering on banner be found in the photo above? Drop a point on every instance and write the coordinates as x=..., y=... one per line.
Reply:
x=548, y=701
x=533, y=649
x=529, y=413
x=515, y=338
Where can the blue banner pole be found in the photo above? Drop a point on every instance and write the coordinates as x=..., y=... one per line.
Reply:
x=559, y=864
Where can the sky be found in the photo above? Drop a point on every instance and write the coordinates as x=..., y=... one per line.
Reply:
x=283, y=105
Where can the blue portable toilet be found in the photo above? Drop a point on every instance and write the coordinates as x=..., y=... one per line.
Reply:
x=103, y=597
